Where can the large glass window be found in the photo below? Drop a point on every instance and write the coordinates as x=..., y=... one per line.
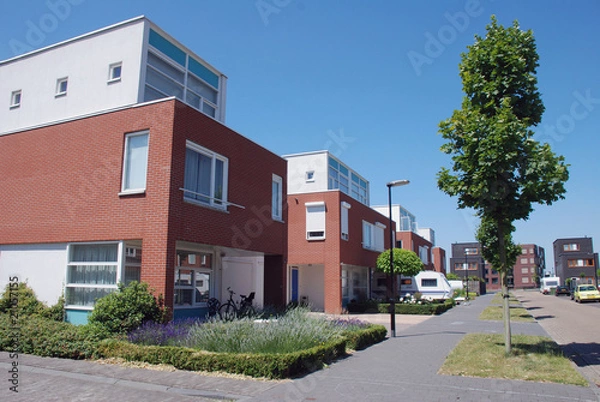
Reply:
x=91, y=273
x=192, y=278
x=342, y=178
x=135, y=162
x=205, y=178
x=354, y=284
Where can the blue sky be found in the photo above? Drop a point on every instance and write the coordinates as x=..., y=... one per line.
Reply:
x=370, y=81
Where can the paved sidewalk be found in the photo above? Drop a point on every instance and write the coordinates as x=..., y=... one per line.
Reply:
x=403, y=368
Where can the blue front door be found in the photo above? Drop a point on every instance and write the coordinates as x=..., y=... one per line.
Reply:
x=294, y=285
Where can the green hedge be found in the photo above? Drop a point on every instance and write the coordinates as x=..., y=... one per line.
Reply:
x=275, y=366
x=43, y=337
x=363, y=338
x=371, y=306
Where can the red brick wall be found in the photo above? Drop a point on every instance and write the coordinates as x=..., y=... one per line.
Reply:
x=439, y=260
x=412, y=241
x=333, y=251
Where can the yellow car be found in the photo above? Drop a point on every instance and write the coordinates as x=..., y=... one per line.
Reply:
x=586, y=293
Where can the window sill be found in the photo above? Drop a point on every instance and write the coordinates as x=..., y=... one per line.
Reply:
x=60, y=94
x=277, y=219
x=132, y=192
x=201, y=204
x=113, y=80
x=75, y=307
x=18, y=105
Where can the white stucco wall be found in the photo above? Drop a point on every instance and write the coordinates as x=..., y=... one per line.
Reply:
x=299, y=165
x=244, y=275
x=42, y=266
x=85, y=61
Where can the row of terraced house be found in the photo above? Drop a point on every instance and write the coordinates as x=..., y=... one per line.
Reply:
x=116, y=166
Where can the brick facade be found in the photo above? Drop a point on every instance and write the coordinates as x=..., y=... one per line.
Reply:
x=61, y=184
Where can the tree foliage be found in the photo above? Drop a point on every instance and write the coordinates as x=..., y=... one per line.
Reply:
x=405, y=262
x=498, y=169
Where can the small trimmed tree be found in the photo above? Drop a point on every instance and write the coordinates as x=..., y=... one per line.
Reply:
x=405, y=263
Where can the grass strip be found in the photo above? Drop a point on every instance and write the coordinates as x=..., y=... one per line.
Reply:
x=534, y=358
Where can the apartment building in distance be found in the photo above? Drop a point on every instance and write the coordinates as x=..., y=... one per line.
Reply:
x=574, y=258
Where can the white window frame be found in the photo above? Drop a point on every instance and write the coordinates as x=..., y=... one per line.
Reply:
x=213, y=202
x=119, y=272
x=424, y=254
x=315, y=220
x=112, y=68
x=15, y=99
x=59, y=84
x=373, y=236
x=310, y=176
x=344, y=210
x=277, y=198
x=127, y=166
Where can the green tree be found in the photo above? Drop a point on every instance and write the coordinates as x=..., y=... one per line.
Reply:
x=499, y=170
x=405, y=262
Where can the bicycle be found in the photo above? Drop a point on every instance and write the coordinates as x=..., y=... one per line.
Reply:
x=229, y=310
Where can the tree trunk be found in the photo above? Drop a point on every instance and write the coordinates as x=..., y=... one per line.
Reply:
x=505, y=295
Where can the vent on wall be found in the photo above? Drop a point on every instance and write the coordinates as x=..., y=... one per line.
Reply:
x=315, y=235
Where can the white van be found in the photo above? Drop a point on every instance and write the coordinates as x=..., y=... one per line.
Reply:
x=431, y=284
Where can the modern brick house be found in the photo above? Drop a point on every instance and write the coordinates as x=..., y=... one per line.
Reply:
x=574, y=258
x=146, y=183
x=334, y=236
x=466, y=261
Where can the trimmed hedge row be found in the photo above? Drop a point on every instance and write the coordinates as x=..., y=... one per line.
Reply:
x=371, y=306
x=363, y=338
x=276, y=366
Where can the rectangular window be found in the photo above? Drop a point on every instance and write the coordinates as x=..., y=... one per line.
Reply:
x=15, y=99
x=315, y=220
x=205, y=180
x=524, y=270
x=430, y=283
x=92, y=273
x=135, y=163
x=524, y=260
x=114, y=72
x=461, y=266
x=61, y=86
x=310, y=176
x=525, y=279
x=424, y=254
x=373, y=236
x=581, y=262
x=571, y=247
x=276, y=197
x=345, y=207
x=192, y=278
x=471, y=250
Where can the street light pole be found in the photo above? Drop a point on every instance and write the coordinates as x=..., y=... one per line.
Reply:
x=395, y=183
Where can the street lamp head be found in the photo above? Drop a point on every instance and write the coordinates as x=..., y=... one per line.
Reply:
x=397, y=183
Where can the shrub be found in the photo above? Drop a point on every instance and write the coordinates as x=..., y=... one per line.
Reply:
x=20, y=300
x=44, y=337
x=296, y=330
x=172, y=333
x=126, y=309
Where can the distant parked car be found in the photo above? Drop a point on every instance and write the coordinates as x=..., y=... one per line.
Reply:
x=586, y=293
x=562, y=290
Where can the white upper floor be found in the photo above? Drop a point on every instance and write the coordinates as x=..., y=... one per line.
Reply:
x=130, y=62
x=318, y=171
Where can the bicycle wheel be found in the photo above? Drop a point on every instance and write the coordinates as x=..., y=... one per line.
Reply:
x=247, y=311
x=227, y=312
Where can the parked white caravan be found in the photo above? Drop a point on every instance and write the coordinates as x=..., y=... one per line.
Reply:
x=549, y=282
x=431, y=284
